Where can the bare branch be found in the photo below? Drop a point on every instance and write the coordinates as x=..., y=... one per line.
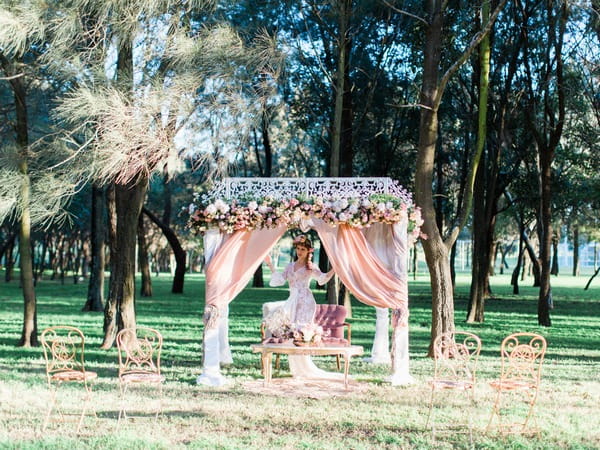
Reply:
x=466, y=54
x=410, y=105
x=406, y=13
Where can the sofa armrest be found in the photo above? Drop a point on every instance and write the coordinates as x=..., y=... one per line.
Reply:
x=263, y=334
x=349, y=332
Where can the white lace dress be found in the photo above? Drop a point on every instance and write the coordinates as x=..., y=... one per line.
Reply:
x=300, y=307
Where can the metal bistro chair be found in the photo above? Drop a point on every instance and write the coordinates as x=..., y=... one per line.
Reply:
x=455, y=365
x=139, y=362
x=64, y=354
x=522, y=357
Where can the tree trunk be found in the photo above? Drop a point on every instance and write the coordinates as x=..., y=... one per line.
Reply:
x=481, y=202
x=442, y=295
x=38, y=268
x=452, y=263
x=436, y=252
x=547, y=145
x=545, y=294
x=481, y=253
x=554, y=269
x=535, y=263
x=143, y=263
x=178, y=251
x=341, y=140
x=119, y=312
x=95, y=295
x=414, y=261
x=587, y=286
x=8, y=257
x=29, y=333
x=258, y=278
x=514, y=280
x=576, y=250
x=110, y=307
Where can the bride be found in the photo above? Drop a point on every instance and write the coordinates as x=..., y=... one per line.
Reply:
x=300, y=307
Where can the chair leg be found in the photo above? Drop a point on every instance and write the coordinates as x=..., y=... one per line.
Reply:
x=277, y=361
x=160, y=399
x=496, y=408
x=50, y=407
x=122, y=411
x=337, y=359
x=430, y=410
x=86, y=404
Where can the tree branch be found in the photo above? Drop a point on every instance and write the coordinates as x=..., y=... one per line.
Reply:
x=466, y=54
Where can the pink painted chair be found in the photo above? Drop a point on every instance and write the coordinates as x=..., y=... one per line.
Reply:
x=65, y=363
x=332, y=318
x=139, y=352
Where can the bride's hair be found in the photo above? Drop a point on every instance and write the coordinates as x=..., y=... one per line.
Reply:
x=303, y=241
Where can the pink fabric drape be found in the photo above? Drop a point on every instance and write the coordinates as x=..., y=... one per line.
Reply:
x=359, y=268
x=235, y=261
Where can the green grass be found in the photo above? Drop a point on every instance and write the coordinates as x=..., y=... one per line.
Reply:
x=371, y=415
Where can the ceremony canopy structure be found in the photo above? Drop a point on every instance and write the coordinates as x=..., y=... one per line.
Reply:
x=363, y=225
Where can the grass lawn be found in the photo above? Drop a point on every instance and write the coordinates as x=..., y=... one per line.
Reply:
x=372, y=414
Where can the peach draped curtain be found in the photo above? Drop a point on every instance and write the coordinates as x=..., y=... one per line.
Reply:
x=357, y=264
x=235, y=261
x=351, y=255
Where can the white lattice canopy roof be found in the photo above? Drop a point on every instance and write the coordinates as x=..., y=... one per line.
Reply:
x=280, y=188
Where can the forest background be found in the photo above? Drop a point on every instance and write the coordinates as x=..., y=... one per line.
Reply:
x=114, y=113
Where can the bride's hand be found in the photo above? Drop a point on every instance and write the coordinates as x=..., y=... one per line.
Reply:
x=268, y=262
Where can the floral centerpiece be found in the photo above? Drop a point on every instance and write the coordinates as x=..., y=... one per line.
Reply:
x=254, y=213
x=309, y=334
x=281, y=329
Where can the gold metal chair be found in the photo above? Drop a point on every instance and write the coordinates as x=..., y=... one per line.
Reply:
x=139, y=352
x=522, y=357
x=455, y=365
x=64, y=349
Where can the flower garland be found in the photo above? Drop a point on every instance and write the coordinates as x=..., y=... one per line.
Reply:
x=255, y=213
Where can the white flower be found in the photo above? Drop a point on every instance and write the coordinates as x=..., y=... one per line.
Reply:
x=353, y=209
x=191, y=208
x=262, y=209
x=366, y=203
x=343, y=203
x=342, y=217
x=222, y=206
x=389, y=205
x=252, y=205
x=381, y=207
x=210, y=209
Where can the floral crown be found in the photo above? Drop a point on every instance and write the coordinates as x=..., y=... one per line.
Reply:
x=303, y=241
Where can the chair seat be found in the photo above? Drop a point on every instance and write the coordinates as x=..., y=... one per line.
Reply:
x=142, y=378
x=512, y=385
x=74, y=375
x=452, y=384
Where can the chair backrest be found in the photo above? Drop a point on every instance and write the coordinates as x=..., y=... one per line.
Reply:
x=522, y=357
x=64, y=348
x=455, y=355
x=331, y=318
x=139, y=350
